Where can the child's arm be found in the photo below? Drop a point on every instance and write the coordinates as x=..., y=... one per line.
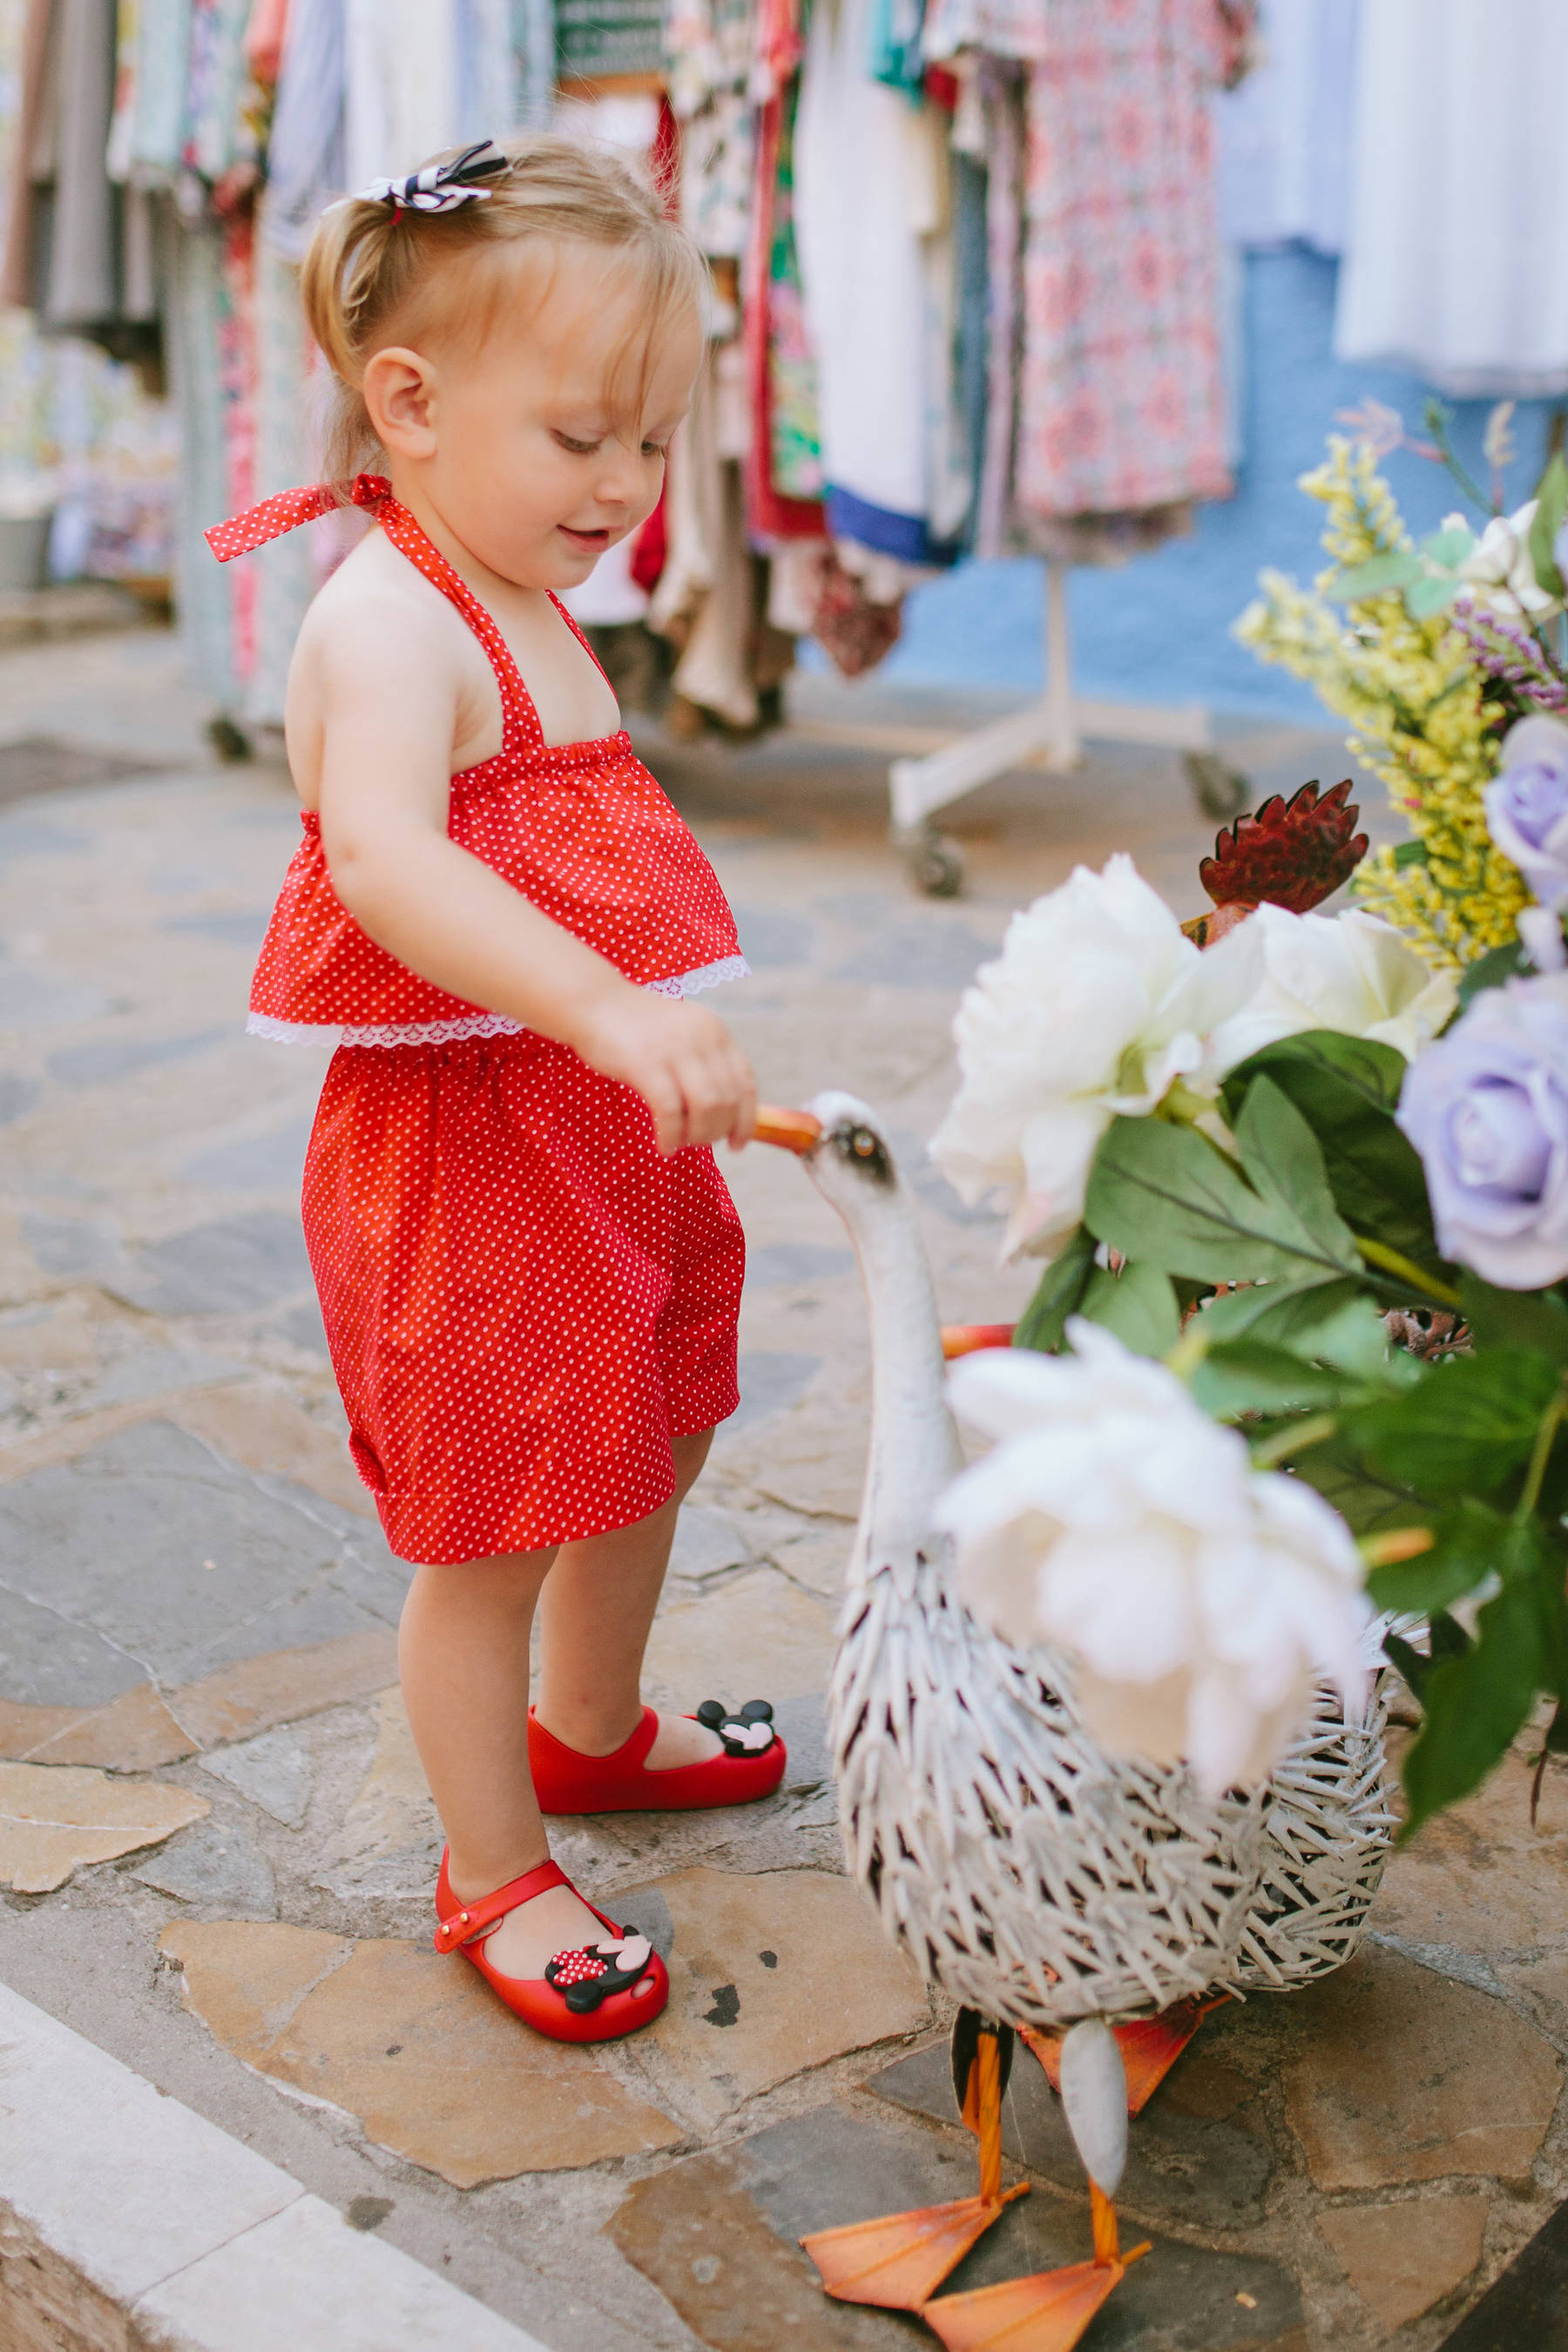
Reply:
x=388, y=731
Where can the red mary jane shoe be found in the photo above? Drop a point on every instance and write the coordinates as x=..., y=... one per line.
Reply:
x=594, y=1993
x=751, y=1766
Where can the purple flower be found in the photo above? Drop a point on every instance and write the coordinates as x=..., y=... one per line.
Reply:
x=1486, y=1108
x=1527, y=807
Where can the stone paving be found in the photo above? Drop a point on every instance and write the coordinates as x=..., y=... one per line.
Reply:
x=216, y=1840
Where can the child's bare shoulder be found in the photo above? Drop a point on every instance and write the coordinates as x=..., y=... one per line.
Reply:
x=373, y=616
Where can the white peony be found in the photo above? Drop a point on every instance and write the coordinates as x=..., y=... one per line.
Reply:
x=1351, y=972
x=1200, y=1601
x=1095, y=1005
x=1499, y=570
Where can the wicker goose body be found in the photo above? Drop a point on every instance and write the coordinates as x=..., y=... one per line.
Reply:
x=1040, y=1883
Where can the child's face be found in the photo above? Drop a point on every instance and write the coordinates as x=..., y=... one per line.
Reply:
x=529, y=463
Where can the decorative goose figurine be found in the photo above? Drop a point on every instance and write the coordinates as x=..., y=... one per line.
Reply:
x=1043, y=1884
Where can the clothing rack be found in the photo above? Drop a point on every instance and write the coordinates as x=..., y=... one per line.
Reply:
x=1055, y=726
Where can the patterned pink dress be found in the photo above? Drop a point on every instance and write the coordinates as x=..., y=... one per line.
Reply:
x=525, y=1301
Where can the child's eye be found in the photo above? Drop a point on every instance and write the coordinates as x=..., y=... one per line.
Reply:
x=578, y=448
x=656, y=449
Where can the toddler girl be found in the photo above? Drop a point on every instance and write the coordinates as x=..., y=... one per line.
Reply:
x=529, y=1265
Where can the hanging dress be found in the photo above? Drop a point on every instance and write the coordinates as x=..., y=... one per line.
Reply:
x=524, y=1299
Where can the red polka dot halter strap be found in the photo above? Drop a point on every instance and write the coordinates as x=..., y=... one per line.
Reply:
x=289, y=509
x=244, y=533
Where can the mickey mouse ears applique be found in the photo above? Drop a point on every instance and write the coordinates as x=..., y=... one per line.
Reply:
x=441, y=187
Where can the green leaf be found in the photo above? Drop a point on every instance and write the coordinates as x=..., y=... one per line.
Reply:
x=1470, y=1541
x=1466, y=1428
x=1410, y=853
x=1249, y=1376
x=1424, y=597
x=1373, y=1072
x=1285, y=1317
x=1448, y=1639
x=1058, y=1295
x=1365, y=1497
x=1376, y=577
x=1162, y=1195
x=1347, y=1089
x=1138, y=1304
x=1474, y=1705
x=1491, y=970
x=1515, y=1319
x=1546, y=523
x=1333, y=1324
x=1449, y=546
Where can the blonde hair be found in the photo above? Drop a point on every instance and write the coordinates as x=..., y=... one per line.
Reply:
x=372, y=276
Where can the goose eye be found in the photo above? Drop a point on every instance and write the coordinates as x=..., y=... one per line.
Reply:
x=863, y=1143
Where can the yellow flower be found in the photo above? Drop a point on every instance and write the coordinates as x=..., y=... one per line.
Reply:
x=1419, y=717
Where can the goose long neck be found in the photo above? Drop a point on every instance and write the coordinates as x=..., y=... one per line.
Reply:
x=914, y=1446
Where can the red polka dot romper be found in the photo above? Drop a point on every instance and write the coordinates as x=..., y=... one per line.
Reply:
x=524, y=1299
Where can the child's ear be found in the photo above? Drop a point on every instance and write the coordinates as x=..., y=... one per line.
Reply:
x=399, y=394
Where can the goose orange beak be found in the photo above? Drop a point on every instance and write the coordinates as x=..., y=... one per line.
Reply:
x=968, y=1339
x=792, y=1131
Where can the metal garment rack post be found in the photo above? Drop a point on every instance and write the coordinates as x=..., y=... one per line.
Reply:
x=1052, y=730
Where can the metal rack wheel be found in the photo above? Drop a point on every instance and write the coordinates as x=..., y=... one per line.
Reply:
x=935, y=862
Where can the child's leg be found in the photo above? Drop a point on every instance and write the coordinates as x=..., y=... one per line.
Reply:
x=595, y=1615
x=463, y=1656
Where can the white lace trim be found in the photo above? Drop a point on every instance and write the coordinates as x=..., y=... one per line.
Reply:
x=708, y=975
x=467, y=1025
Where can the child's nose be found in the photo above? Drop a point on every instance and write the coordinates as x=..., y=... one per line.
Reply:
x=620, y=482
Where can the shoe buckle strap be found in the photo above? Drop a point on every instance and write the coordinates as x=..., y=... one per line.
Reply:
x=471, y=1919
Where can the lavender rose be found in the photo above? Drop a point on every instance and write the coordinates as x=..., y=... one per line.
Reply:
x=1486, y=1108
x=1527, y=807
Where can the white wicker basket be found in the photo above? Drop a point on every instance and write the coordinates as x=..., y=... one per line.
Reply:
x=1327, y=1840
x=1033, y=1877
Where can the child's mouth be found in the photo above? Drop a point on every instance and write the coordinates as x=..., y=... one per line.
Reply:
x=588, y=542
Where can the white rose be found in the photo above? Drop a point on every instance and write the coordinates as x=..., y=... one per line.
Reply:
x=1351, y=972
x=1200, y=1601
x=1096, y=1003
x=1499, y=569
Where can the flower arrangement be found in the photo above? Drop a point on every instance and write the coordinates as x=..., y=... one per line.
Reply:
x=1433, y=652
x=1322, y=1182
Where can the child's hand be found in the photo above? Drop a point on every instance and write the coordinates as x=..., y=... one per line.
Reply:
x=682, y=1061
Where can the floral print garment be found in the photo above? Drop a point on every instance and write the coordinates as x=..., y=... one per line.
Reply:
x=1121, y=402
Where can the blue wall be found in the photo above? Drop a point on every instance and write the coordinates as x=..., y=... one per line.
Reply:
x=1159, y=629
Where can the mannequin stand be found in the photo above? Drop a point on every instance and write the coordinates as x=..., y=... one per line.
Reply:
x=1051, y=729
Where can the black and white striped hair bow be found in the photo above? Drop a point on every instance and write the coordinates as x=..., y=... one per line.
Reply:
x=440, y=187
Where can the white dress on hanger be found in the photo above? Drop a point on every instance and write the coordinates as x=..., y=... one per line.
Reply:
x=869, y=191
x=1283, y=138
x=402, y=87
x=1456, y=261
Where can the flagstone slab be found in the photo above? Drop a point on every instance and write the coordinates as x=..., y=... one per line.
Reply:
x=772, y=1974
x=389, y=1840
x=412, y=2044
x=1198, y=2157
x=1405, y=2075
x=133, y=1733
x=717, y=2234
x=217, y=1865
x=56, y=1819
x=1402, y=2259
x=143, y=1727
x=756, y=1635
x=182, y=1561
x=1481, y=1877
x=283, y=1685
x=48, y=1339
x=273, y=1770
x=265, y=1431
x=813, y=1460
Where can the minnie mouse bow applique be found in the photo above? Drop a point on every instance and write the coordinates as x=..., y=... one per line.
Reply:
x=440, y=187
